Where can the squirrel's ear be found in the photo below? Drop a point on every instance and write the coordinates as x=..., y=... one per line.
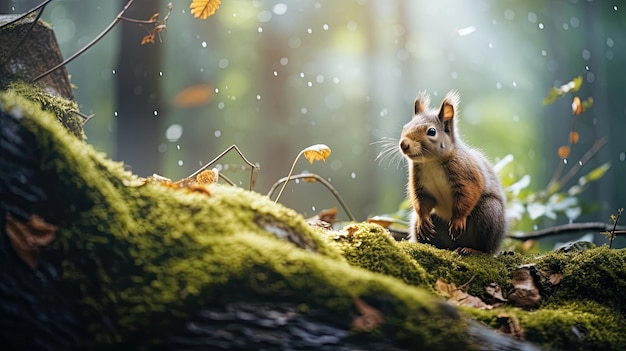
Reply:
x=449, y=106
x=422, y=103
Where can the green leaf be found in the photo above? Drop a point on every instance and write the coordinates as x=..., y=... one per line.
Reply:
x=595, y=174
x=569, y=87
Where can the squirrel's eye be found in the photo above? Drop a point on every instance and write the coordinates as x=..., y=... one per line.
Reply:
x=431, y=131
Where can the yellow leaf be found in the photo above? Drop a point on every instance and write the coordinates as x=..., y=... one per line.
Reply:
x=316, y=153
x=204, y=8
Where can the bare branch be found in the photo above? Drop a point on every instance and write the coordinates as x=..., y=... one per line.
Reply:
x=86, y=47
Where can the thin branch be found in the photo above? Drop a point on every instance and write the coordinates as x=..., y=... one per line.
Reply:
x=133, y=20
x=567, y=228
x=86, y=47
x=583, y=160
x=323, y=182
x=253, y=167
x=39, y=8
x=43, y=4
x=289, y=175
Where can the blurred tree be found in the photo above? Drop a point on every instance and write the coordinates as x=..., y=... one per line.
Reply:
x=139, y=101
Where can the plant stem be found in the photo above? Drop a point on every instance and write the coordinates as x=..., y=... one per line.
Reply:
x=288, y=176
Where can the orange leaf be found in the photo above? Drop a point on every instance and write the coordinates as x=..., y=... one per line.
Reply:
x=194, y=96
x=148, y=39
x=563, y=151
x=577, y=106
x=202, y=9
x=208, y=176
x=154, y=17
x=316, y=153
x=573, y=137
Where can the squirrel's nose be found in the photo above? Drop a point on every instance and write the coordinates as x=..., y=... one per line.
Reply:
x=404, y=145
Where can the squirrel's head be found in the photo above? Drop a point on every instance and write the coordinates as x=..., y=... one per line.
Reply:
x=430, y=135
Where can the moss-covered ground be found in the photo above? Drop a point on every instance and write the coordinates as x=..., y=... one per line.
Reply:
x=140, y=251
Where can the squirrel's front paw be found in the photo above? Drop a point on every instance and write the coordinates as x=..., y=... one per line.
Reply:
x=457, y=228
x=425, y=229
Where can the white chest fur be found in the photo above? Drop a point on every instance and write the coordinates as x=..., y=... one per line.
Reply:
x=436, y=183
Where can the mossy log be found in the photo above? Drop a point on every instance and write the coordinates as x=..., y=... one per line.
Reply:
x=135, y=264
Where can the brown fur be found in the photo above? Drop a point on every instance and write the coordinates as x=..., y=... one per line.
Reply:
x=457, y=200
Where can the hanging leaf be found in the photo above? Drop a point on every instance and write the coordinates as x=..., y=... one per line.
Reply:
x=317, y=152
x=148, y=39
x=194, y=96
x=563, y=151
x=579, y=106
x=202, y=9
x=570, y=87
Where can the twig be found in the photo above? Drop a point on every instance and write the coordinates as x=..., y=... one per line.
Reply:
x=572, y=172
x=583, y=160
x=253, y=167
x=322, y=181
x=39, y=8
x=43, y=4
x=615, y=221
x=567, y=228
x=86, y=47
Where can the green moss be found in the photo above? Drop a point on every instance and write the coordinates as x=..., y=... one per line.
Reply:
x=574, y=325
x=66, y=111
x=597, y=274
x=371, y=247
x=478, y=270
x=141, y=251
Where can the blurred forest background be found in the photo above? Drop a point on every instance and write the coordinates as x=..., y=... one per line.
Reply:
x=274, y=77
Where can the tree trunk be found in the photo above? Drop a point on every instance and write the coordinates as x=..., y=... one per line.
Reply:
x=139, y=107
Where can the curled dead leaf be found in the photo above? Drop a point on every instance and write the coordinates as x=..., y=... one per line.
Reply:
x=318, y=152
x=382, y=221
x=525, y=293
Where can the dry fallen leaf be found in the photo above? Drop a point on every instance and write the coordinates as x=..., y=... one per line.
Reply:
x=369, y=319
x=573, y=137
x=495, y=291
x=316, y=153
x=26, y=238
x=525, y=293
x=510, y=325
x=202, y=9
x=382, y=221
x=458, y=297
x=209, y=176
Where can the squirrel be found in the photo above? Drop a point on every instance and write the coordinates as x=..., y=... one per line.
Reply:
x=458, y=203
